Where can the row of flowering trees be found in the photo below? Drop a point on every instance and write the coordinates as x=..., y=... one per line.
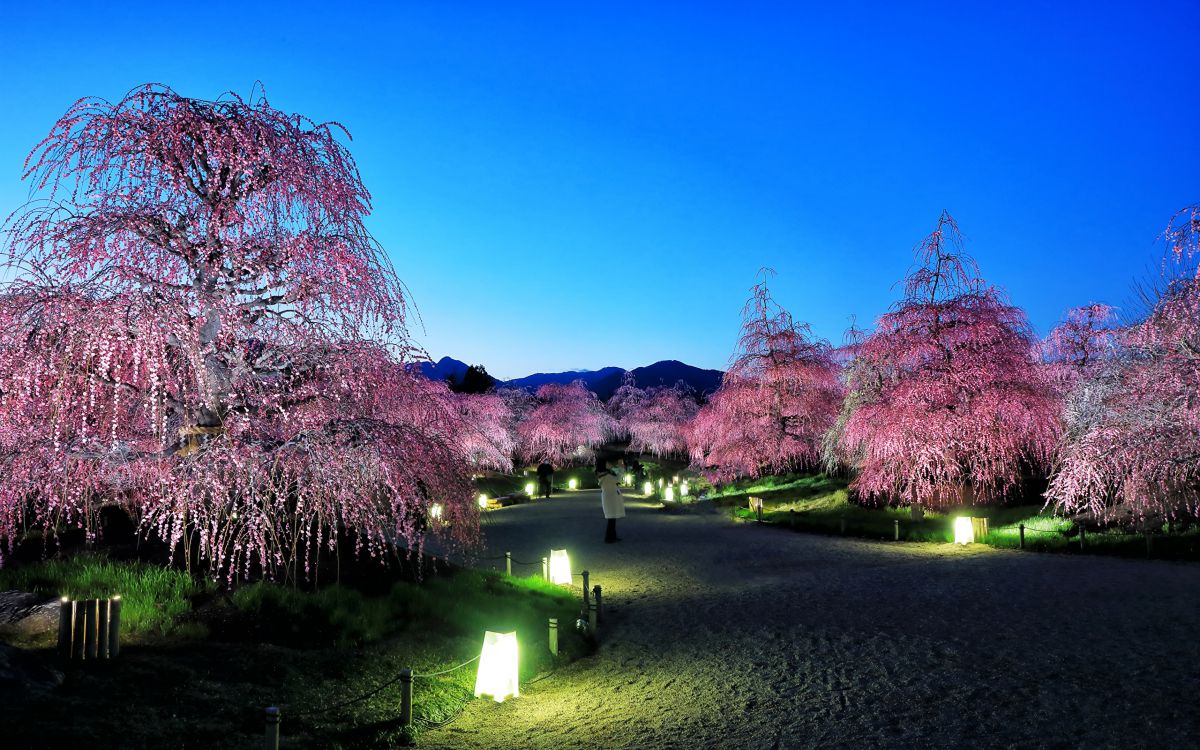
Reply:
x=952, y=399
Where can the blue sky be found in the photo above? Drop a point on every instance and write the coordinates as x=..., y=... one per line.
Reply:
x=566, y=187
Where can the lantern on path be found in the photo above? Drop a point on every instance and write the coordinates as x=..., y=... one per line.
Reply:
x=560, y=567
x=964, y=530
x=529, y=489
x=483, y=502
x=669, y=495
x=647, y=488
x=683, y=489
x=573, y=483
x=497, y=676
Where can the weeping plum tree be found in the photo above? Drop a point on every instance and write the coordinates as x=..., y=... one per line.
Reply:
x=1080, y=346
x=488, y=434
x=780, y=394
x=202, y=331
x=949, y=405
x=566, y=421
x=656, y=419
x=1132, y=451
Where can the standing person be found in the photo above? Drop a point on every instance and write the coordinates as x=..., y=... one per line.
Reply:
x=610, y=499
x=545, y=474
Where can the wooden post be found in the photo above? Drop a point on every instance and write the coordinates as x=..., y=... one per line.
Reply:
x=271, y=739
x=896, y=528
x=102, y=630
x=114, y=627
x=508, y=563
x=554, y=635
x=406, y=684
x=91, y=613
x=78, y=630
x=596, y=594
x=545, y=569
x=585, y=589
x=1022, y=529
x=1082, y=535
x=591, y=615
x=66, y=618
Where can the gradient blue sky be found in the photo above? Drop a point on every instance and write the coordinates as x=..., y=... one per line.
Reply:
x=566, y=187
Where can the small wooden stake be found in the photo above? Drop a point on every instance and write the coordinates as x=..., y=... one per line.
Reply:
x=78, y=630
x=91, y=613
x=591, y=615
x=66, y=618
x=1082, y=535
x=508, y=563
x=102, y=629
x=596, y=594
x=896, y=527
x=271, y=738
x=406, y=686
x=554, y=635
x=585, y=589
x=114, y=627
x=545, y=569
x=1022, y=528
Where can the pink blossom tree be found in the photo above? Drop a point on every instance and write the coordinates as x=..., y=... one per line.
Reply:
x=488, y=432
x=780, y=394
x=202, y=331
x=949, y=405
x=565, y=423
x=1080, y=345
x=1132, y=450
x=656, y=419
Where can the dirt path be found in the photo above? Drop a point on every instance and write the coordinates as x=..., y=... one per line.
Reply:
x=728, y=635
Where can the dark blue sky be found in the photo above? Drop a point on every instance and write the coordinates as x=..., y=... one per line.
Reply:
x=571, y=188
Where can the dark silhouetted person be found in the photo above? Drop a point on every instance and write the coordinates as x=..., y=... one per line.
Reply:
x=545, y=474
x=610, y=499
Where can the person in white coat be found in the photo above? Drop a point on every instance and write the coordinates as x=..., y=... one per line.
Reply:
x=610, y=498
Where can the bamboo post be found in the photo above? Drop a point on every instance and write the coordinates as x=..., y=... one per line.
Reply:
x=406, y=687
x=896, y=528
x=102, y=629
x=554, y=635
x=114, y=627
x=585, y=589
x=1022, y=529
x=545, y=569
x=66, y=618
x=91, y=613
x=508, y=563
x=596, y=594
x=271, y=739
x=77, y=631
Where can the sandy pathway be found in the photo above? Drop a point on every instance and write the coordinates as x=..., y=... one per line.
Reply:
x=730, y=635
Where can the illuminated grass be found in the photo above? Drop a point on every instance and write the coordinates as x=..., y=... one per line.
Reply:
x=153, y=598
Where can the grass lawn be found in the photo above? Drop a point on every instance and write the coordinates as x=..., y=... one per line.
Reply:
x=197, y=668
x=818, y=503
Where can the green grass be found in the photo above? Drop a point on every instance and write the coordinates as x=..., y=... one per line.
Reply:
x=300, y=650
x=821, y=504
x=152, y=598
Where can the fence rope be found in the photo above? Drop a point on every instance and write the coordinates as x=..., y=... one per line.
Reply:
x=448, y=671
x=377, y=690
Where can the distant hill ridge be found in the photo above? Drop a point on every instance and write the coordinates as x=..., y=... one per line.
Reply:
x=602, y=382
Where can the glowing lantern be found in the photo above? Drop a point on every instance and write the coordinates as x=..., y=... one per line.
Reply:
x=675, y=479
x=435, y=511
x=529, y=489
x=964, y=531
x=482, y=502
x=628, y=480
x=497, y=675
x=670, y=494
x=573, y=483
x=660, y=483
x=560, y=567
x=647, y=488
x=683, y=489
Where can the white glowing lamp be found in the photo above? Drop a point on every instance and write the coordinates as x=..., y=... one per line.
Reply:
x=497, y=675
x=683, y=488
x=560, y=567
x=529, y=489
x=435, y=511
x=482, y=501
x=675, y=479
x=628, y=480
x=573, y=483
x=964, y=531
x=660, y=482
x=670, y=494
x=647, y=488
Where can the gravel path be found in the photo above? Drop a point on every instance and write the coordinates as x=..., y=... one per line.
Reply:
x=726, y=635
